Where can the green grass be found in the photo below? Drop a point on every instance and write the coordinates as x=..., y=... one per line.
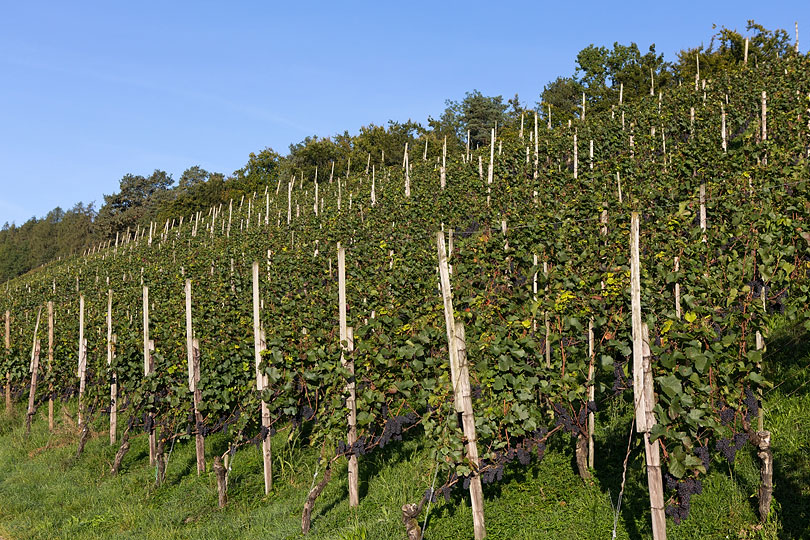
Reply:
x=45, y=492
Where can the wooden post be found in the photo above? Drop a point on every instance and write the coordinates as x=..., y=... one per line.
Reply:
x=745, y=58
x=113, y=382
x=459, y=372
x=347, y=344
x=764, y=123
x=702, y=197
x=261, y=380
x=50, y=364
x=546, y=320
x=761, y=416
x=230, y=215
x=723, y=126
x=644, y=401
x=796, y=47
x=148, y=366
x=491, y=170
x=8, y=352
x=443, y=172
x=591, y=391
x=536, y=147
x=33, y=390
x=199, y=441
x=82, y=359
x=289, y=201
x=677, y=290
x=407, y=167
x=373, y=187
x=534, y=292
x=193, y=359
x=635, y=295
x=576, y=156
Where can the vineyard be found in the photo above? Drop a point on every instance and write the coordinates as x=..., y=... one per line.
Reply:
x=492, y=305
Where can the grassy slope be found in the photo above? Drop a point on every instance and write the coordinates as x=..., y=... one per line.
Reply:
x=45, y=492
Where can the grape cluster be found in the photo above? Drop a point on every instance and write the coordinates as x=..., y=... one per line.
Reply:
x=358, y=448
x=393, y=428
x=726, y=415
x=570, y=423
x=148, y=422
x=684, y=491
x=752, y=404
x=620, y=382
x=520, y=450
x=703, y=453
x=730, y=447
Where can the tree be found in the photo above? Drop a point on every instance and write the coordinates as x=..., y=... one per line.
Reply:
x=563, y=97
x=260, y=169
x=726, y=51
x=477, y=113
x=139, y=199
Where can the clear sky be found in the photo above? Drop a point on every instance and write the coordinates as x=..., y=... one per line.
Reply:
x=92, y=91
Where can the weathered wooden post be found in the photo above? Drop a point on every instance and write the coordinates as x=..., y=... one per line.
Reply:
x=261, y=381
x=459, y=373
x=193, y=358
x=33, y=390
x=113, y=376
x=82, y=371
x=407, y=167
x=347, y=344
x=644, y=400
x=148, y=368
x=50, y=364
x=8, y=352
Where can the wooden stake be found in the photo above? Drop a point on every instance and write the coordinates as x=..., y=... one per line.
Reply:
x=259, y=345
x=534, y=292
x=591, y=392
x=796, y=48
x=347, y=344
x=546, y=319
x=407, y=167
x=8, y=352
x=82, y=359
x=459, y=372
x=677, y=290
x=113, y=382
x=33, y=389
x=193, y=359
x=148, y=366
x=443, y=171
x=764, y=123
x=643, y=388
x=702, y=197
x=50, y=363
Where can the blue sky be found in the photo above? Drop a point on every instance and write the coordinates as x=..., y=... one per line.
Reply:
x=93, y=91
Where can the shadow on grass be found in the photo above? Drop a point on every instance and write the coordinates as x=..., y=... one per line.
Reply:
x=610, y=453
x=786, y=360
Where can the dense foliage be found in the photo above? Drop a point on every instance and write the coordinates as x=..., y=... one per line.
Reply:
x=651, y=155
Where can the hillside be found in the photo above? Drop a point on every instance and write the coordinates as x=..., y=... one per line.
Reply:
x=537, y=227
